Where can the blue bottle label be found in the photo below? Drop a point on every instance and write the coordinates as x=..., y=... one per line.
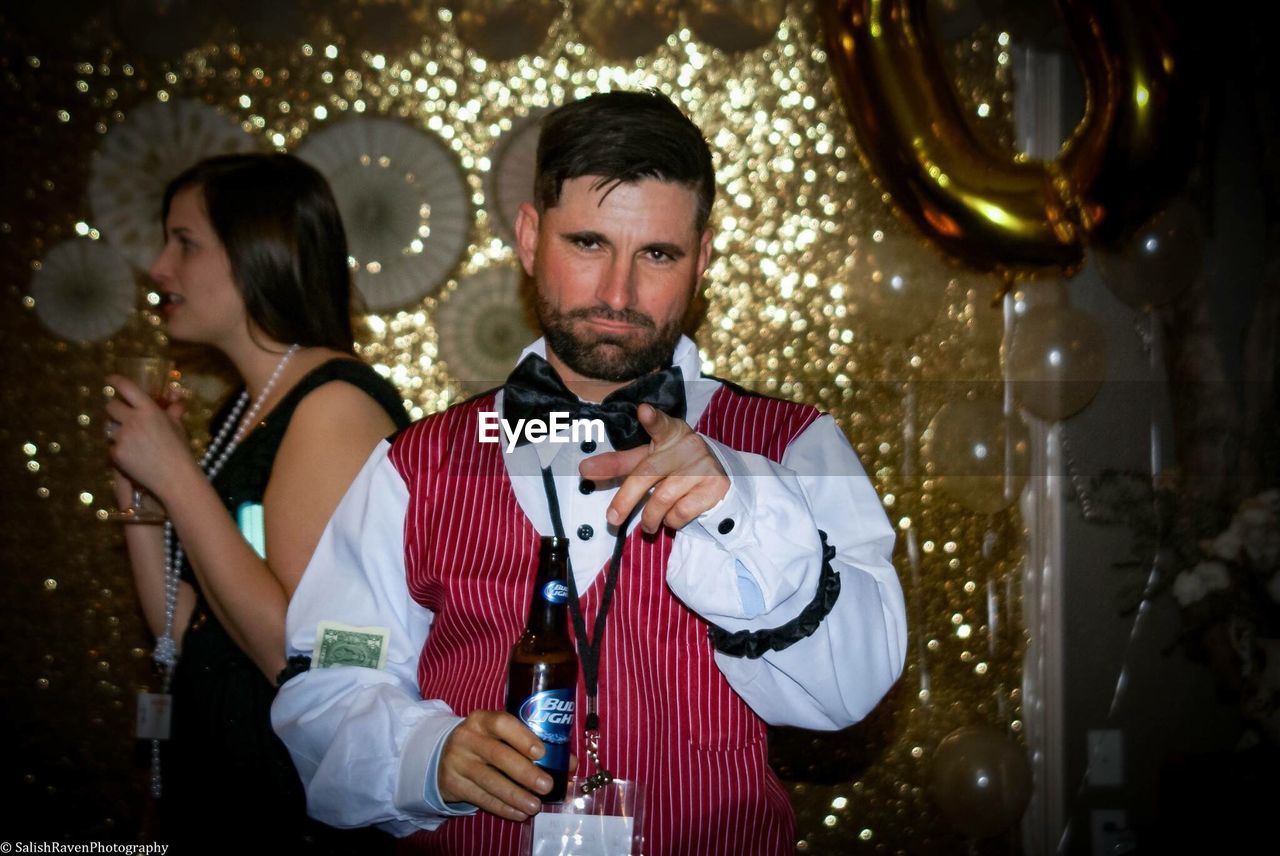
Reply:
x=549, y=715
x=555, y=592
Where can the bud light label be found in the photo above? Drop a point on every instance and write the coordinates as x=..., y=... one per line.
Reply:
x=555, y=592
x=549, y=715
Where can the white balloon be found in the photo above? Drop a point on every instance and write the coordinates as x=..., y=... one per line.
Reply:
x=1057, y=361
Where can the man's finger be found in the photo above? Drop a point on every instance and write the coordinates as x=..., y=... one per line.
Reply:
x=515, y=766
x=512, y=731
x=657, y=465
x=476, y=790
x=631, y=492
x=607, y=466
x=659, y=425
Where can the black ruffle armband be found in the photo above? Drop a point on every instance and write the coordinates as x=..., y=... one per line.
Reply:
x=294, y=666
x=753, y=644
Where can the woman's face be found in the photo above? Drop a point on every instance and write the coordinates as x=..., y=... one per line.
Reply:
x=193, y=275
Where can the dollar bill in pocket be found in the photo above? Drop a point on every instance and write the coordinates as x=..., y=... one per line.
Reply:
x=339, y=644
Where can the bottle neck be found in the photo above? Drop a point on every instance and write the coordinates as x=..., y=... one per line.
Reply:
x=549, y=604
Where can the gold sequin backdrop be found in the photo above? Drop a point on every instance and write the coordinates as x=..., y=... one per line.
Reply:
x=803, y=242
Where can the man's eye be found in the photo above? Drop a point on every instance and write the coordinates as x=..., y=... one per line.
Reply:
x=659, y=256
x=586, y=243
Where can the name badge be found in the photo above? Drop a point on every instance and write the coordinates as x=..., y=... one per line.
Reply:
x=605, y=822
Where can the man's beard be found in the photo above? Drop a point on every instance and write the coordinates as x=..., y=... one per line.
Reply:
x=602, y=356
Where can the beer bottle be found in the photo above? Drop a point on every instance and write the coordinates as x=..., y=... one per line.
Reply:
x=542, y=674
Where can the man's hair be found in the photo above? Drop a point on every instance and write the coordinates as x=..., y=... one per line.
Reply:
x=623, y=137
x=279, y=224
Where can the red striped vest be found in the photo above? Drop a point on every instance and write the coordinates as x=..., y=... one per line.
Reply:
x=669, y=719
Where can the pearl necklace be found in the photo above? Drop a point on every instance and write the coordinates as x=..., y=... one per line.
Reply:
x=215, y=456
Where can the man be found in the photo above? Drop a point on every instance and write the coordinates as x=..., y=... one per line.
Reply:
x=752, y=516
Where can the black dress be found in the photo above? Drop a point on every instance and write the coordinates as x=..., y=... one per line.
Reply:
x=226, y=774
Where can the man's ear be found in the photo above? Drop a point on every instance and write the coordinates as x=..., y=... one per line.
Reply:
x=527, y=235
x=704, y=253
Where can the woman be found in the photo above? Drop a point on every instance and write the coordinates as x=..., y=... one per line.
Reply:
x=254, y=265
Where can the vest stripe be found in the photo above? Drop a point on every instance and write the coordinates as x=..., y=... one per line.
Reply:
x=669, y=719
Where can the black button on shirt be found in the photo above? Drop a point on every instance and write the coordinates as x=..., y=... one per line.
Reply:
x=726, y=526
x=589, y=446
x=586, y=486
x=585, y=532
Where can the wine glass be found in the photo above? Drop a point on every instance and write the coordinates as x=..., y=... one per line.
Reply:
x=152, y=374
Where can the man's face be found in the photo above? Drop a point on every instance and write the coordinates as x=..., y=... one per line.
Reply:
x=615, y=269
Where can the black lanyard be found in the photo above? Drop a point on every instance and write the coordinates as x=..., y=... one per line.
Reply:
x=589, y=651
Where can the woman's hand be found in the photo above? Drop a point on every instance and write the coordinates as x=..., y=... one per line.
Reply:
x=146, y=443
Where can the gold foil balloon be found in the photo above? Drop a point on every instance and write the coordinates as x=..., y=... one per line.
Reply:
x=899, y=288
x=1159, y=262
x=981, y=780
x=736, y=25
x=1057, y=361
x=1144, y=111
x=621, y=30
x=504, y=29
x=993, y=212
x=978, y=456
x=1002, y=211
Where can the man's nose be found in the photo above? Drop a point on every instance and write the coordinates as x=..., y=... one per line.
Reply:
x=617, y=289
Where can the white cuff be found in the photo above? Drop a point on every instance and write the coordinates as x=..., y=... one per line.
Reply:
x=727, y=522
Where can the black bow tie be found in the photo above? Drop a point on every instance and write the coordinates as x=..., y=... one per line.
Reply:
x=534, y=390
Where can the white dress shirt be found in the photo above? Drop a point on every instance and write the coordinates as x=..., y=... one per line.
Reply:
x=367, y=744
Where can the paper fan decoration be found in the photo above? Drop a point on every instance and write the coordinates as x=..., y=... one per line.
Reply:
x=140, y=157
x=510, y=178
x=620, y=32
x=84, y=291
x=500, y=30
x=483, y=328
x=737, y=25
x=404, y=204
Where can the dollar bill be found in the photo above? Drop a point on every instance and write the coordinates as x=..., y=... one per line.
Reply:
x=339, y=644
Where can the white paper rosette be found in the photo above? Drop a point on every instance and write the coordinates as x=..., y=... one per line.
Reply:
x=513, y=163
x=500, y=30
x=138, y=158
x=483, y=328
x=736, y=25
x=84, y=291
x=404, y=204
